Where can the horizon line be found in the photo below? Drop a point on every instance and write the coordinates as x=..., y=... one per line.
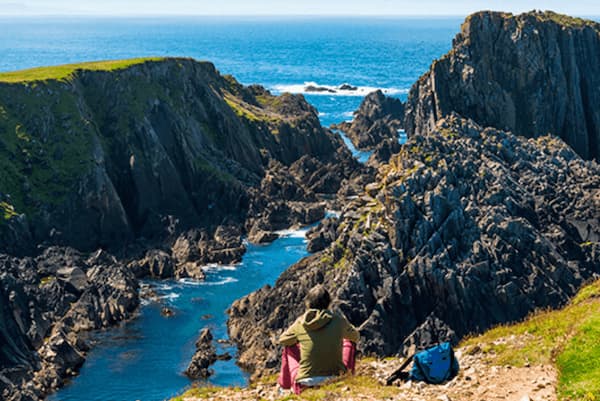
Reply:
x=340, y=15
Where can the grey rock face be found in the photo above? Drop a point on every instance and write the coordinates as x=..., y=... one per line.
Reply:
x=464, y=229
x=46, y=303
x=203, y=358
x=378, y=118
x=322, y=235
x=532, y=74
x=154, y=149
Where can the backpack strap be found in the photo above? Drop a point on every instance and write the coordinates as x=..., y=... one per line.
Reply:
x=396, y=374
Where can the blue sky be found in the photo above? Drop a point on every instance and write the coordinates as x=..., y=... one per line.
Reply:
x=288, y=7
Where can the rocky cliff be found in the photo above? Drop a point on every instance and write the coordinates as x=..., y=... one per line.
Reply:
x=163, y=161
x=532, y=74
x=45, y=304
x=463, y=230
x=102, y=155
x=377, y=119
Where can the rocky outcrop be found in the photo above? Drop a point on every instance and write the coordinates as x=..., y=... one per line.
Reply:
x=45, y=303
x=149, y=151
x=463, y=230
x=378, y=118
x=163, y=161
x=320, y=236
x=532, y=74
x=204, y=357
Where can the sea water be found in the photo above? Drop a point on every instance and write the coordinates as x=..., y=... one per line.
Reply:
x=283, y=54
x=144, y=359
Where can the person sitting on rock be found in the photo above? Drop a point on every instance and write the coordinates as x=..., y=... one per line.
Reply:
x=320, y=344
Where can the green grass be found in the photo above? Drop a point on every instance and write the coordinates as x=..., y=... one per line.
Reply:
x=204, y=392
x=46, y=280
x=7, y=211
x=64, y=71
x=29, y=156
x=348, y=387
x=565, y=20
x=579, y=363
x=568, y=338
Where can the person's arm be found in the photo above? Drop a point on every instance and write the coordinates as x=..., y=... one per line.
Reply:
x=348, y=331
x=289, y=336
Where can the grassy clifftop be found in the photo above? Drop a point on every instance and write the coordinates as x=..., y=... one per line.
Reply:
x=567, y=338
x=139, y=139
x=64, y=71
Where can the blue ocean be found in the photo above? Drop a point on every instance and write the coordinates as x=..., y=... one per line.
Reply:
x=144, y=359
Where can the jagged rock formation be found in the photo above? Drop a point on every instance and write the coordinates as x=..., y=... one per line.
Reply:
x=378, y=118
x=532, y=74
x=164, y=161
x=204, y=357
x=100, y=158
x=45, y=302
x=463, y=230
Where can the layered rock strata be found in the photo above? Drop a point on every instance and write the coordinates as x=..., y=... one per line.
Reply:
x=463, y=230
x=46, y=303
x=164, y=162
x=146, y=152
x=533, y=74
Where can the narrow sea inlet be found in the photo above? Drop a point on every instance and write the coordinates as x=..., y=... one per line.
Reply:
x=145, y=358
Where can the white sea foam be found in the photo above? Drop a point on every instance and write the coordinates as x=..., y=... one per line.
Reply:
x=170, y=296
x=216, y=267
x=334, y=90
x=301, y=233
x=162, y=287
x=225, y=280
x=190, y=281
x=333, y=213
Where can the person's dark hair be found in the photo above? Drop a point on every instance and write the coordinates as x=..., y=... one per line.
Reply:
x=318, y=298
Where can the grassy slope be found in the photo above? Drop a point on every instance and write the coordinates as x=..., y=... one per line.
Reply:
x=568, y=338
x=64, y=71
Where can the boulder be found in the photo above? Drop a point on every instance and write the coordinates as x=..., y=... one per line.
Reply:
x=203, y=358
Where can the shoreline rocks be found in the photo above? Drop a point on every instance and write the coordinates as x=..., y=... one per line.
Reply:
x=204, y=357
x=463, y=230
x=48, y=303
x=175, y=185
x=378, y=118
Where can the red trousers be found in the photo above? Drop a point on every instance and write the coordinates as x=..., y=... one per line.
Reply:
x=290, y=363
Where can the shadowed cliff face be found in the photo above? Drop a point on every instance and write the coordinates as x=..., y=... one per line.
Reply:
x=532, y=74
x=464, y=229
x=164, y=161
x=102, y=157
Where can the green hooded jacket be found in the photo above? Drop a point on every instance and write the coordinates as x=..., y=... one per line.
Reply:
x=320, y=334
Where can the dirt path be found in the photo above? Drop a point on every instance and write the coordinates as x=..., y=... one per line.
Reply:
x=477, y=381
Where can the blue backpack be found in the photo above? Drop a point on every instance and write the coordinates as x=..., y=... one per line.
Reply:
x=434, y=365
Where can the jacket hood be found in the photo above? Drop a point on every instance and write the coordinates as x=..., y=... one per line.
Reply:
x=314, y=319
